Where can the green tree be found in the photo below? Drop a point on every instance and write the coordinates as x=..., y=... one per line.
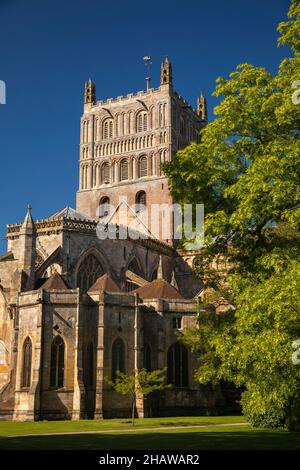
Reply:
x=140, y=384
x=246, y=171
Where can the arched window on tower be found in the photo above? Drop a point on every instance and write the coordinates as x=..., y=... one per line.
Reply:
x=105, y=173
x=130, y=122
x=118, y=358
x=96, y=128
x=160, y=114
x=140, y=201
x=124, y=170
x=123, y=124
x=142, y=166
x=177, y=362
x=152, y=165
x=104, y=206
x=89, y=366
x=27, y=361
x=142, y=121
x=89, y=271
x=164, y=113
x=57, y=369
x=152, y=118
x=107, y=129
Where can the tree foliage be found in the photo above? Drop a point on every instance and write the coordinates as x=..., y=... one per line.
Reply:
x=140, y=384
x=246, y=171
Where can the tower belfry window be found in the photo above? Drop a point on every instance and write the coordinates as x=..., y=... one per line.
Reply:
x=142, y=166
x=105, y=173
x=124, y=170
x=142, y=122
x=108, y=129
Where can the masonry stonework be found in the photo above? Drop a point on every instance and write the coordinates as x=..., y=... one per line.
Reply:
x=75, y=308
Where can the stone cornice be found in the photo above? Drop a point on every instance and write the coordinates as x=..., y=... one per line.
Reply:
x=54, y=226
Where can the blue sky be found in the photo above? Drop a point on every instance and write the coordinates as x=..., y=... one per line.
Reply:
x=49, y=48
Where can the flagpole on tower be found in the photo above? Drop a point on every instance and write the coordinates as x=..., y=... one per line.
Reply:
x=148, y=62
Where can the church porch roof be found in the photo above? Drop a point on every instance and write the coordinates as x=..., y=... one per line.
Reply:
x=104, y=283
x=159, y=289
x=54, y=282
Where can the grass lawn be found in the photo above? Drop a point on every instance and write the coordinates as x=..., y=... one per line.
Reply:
x=211, y=436
x=13, y=428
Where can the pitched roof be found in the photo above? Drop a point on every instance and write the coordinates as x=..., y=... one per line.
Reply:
x=55, y=282
x=104, y=283
x=68, y=213
x=158, y=289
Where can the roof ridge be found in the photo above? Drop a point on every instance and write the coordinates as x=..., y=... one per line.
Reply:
x=159, y=289
x=55, y=282
x=104, y=283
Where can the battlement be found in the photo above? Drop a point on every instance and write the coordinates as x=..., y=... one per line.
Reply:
x=129, y=96
x=184, y=102
x=141, y=94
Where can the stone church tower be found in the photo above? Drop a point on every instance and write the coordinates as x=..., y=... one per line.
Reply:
x=125, y=140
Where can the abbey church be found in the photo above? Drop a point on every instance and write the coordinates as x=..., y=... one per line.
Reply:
x=74, y=307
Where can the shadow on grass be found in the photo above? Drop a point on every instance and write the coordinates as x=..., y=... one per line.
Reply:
x=193, y=440
x=187, y=424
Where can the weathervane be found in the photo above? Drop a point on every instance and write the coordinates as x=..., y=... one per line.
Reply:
x=148, y=62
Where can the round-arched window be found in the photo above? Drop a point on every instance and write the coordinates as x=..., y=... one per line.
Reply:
x=105, y=173
x=107, y=130
x=140, y=201
x=104, y=206
x=124, y=170
x=142, y=121
x=142, y=166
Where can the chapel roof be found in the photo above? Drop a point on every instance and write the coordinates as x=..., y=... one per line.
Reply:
x=104, y=283
x=54, y=282
x=158, y=289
